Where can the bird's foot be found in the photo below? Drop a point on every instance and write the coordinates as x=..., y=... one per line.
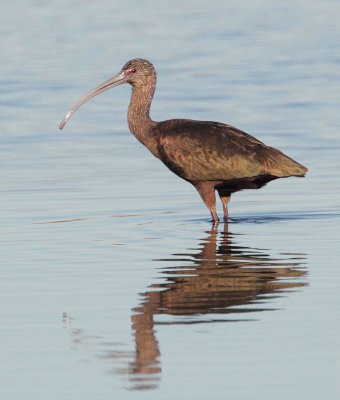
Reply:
x=215, y=219
x=215, y=225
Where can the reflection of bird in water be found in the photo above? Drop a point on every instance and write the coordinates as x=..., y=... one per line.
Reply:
x=210, y=155
x=218, y=283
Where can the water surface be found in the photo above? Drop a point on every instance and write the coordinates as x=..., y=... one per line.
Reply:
x=114, y=284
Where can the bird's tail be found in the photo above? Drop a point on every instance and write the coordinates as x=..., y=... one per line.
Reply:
x=280, y=165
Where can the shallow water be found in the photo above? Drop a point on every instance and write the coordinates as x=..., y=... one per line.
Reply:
x=114, y=284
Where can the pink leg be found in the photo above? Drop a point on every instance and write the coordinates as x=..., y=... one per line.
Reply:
x=225, y=200
x=207, y=193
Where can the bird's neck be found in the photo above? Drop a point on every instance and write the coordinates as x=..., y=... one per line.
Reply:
x=140, y=123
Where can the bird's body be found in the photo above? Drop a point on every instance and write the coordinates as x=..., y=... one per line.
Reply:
x=210, y=155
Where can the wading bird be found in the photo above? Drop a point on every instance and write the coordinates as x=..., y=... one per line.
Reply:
x=210, y=155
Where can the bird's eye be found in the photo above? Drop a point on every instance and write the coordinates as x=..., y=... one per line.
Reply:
x=129, y=71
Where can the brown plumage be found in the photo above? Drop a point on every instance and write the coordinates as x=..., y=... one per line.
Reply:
x=210, y=155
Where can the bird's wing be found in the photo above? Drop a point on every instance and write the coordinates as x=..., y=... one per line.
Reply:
x=212, y=151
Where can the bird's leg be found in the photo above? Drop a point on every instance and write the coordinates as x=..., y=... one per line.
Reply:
x=225, y=200
x=207, y=193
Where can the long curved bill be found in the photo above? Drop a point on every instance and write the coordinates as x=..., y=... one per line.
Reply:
x=110, y=83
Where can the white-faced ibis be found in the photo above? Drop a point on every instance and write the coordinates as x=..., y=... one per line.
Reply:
x=210, y=155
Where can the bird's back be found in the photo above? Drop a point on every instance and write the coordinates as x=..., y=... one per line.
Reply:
x=212, y=151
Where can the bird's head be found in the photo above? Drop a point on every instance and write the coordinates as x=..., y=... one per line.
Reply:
x=137, y=72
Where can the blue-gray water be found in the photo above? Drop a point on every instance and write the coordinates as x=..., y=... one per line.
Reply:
x=113, y=283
